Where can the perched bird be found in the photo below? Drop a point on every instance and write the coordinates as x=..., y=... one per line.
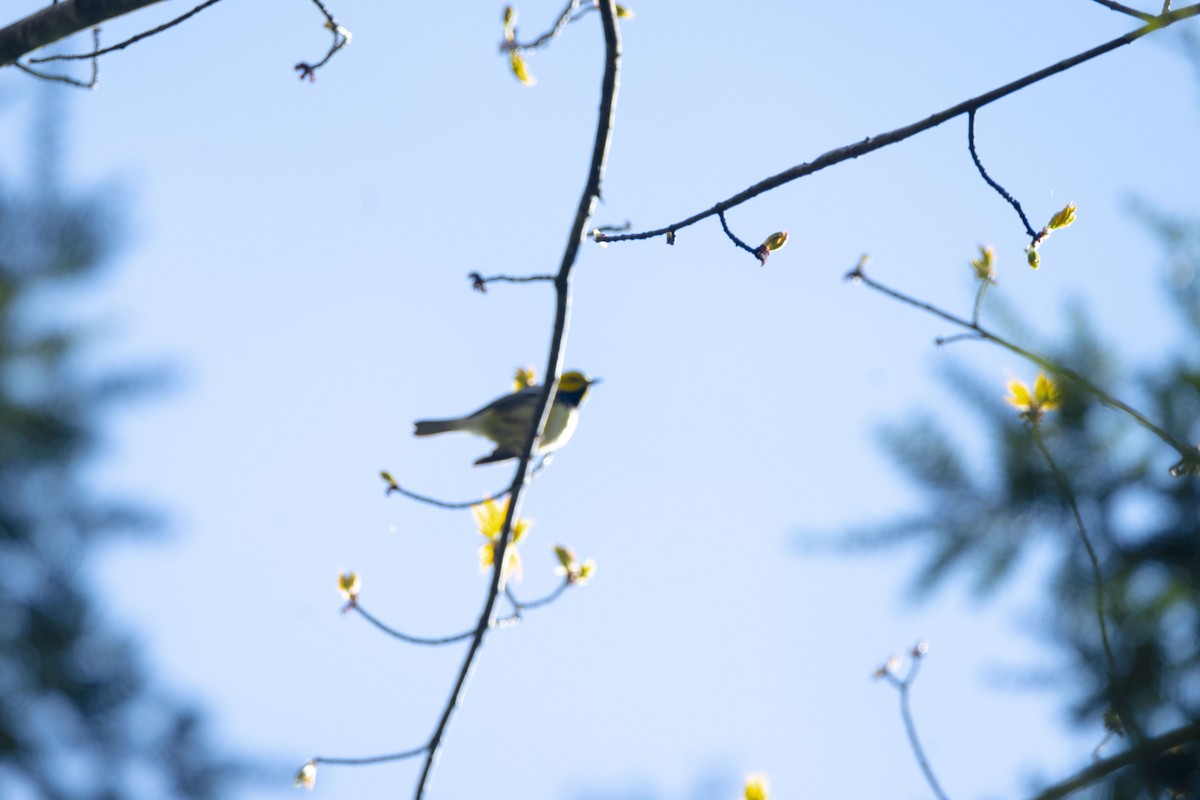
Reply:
x=506, y=420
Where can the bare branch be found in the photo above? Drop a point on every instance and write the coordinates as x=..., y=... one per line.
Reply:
x=760, y=253
x=92, y=84
x=131, y=40
x=416, y=751
x=870, y=144
x=58, y=21
x=903, y=686
x=341, y=38
x=1133, y=12
x=999, y=189
x=1087, y=545
x=404, y=637
x=479, y=283
x=433, y=501
x=522, y=606
x=562, y=285
x=566, y=17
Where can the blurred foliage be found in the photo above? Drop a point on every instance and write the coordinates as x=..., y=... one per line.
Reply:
x=981, y=515
x=79, y=718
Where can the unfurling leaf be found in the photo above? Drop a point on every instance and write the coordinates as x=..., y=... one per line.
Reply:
x=519, y=69
x=1063, y=218
x=985, y=265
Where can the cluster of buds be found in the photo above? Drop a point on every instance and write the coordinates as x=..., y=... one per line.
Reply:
x=1061, y=219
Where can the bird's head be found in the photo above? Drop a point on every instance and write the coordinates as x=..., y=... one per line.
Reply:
x=573, y=385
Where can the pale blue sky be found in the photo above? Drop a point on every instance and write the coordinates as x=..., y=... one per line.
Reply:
x=298, y=252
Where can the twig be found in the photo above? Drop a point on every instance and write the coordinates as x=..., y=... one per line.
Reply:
x=522, y=606
x=46, y=76
x=479, y=283
x=433, y=501
x=1087, y=545
x=564, y=18
x=122, y=45
x=562, y=285
x=729, y=233
x=1190, y=455
x=416, y=751
x=983, y=287
x=404, y=637
x=1133, y=12
x=870, y=144
x=341, y=38
x=999, y=189
x=903, y=686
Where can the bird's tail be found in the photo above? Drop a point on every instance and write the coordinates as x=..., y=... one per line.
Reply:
x=428, y=427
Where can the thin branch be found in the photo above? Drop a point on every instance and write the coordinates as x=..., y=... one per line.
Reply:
x=416, y=751
x=404, y=637
x=999, y=189
x=1101, y=769
x=58, y=21
x=96, y=53
x=565, y=18
x=341, y=38
x=870, y=144
x=910, y=727
x=983, y=287
x=522, y=606
x=479, y=283
x=46, y=76
x=1133, y=12
x=562, y=285
x=433, y=501
x=1190, y=455
x=1087, y=545
x=730, y=234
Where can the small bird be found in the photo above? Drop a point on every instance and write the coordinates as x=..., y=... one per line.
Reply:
x=506, y=420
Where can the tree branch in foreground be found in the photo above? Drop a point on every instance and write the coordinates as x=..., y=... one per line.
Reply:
x=852, y=151
x=562, y=285
x=97, y=52
x=59, y=21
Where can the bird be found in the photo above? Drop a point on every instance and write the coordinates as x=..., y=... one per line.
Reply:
x=506, y=420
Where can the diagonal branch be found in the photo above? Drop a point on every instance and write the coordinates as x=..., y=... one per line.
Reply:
x=1190, y=463
x=1101, y=769
x=59, y=21
x=1124, y=9
x=562, y=285
x=96, y=51
x=870, y=144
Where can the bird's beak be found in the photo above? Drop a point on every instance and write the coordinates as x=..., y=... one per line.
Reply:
x=594, y=381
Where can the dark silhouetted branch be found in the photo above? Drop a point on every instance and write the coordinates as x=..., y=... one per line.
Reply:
x=999, y=189
x=59, y=21
x=562, y=285
x=870, y=144
x=46, y=76
x=96, y=52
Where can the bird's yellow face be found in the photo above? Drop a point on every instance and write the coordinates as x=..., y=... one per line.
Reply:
x=572, y=382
